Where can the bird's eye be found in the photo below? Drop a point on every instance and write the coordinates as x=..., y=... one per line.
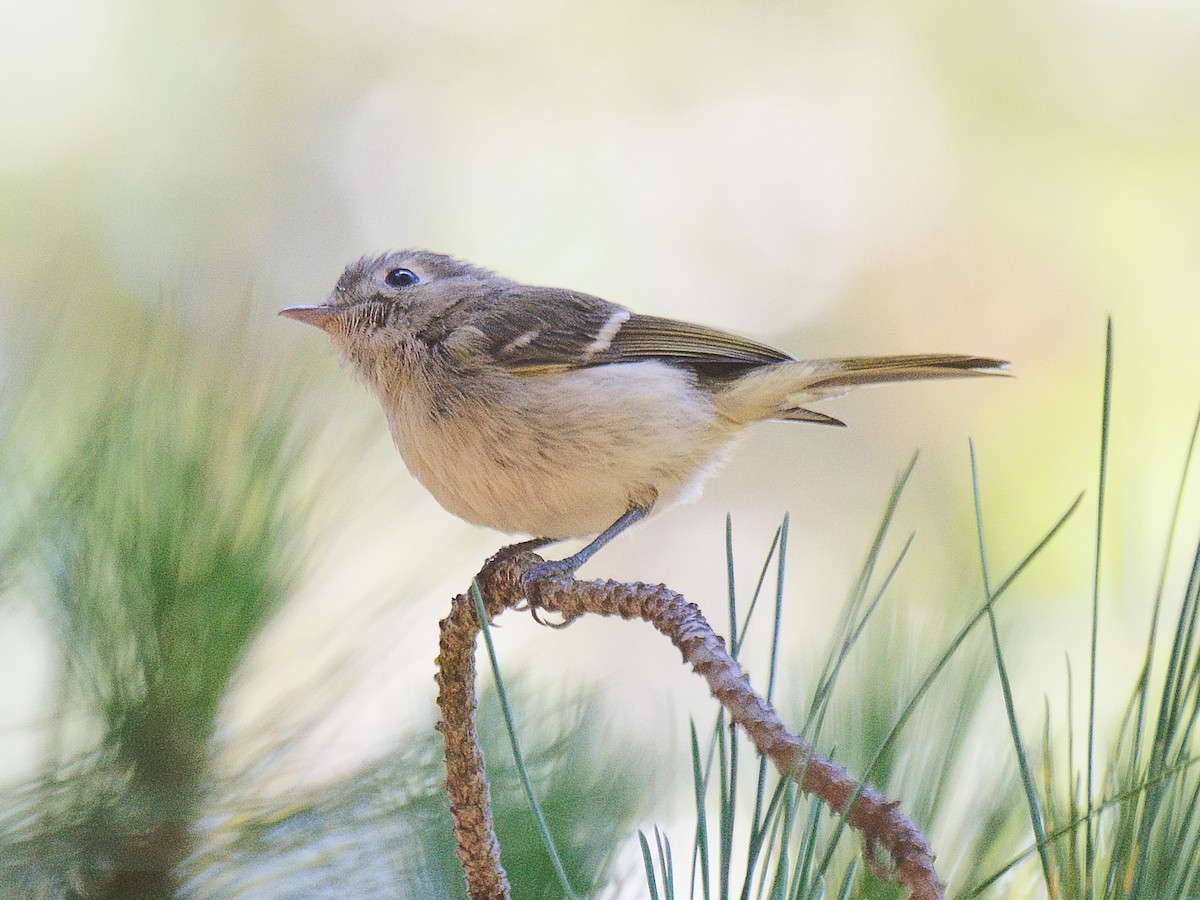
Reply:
x=399, y=278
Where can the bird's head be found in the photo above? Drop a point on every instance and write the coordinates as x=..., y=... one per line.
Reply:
x=383, y=303
x=401, y=289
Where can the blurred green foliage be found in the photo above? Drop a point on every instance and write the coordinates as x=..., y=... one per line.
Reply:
x=163, y=538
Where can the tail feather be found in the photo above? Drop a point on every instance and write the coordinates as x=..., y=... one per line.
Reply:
x=856, y=371
x=800, y=414
x=776, y=391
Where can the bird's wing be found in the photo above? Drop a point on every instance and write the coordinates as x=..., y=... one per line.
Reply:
x=536, y=330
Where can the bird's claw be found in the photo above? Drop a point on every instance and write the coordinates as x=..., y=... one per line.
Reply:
x=536, y=579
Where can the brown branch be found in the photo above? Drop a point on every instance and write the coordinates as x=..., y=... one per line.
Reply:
x=880, y=821
x=470, y=799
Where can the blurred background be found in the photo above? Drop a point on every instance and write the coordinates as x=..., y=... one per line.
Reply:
x=833, y=178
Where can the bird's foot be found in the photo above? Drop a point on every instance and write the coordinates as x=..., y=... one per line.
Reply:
x=543, y=576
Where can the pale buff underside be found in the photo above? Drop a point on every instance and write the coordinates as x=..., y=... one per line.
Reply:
x=660, y=439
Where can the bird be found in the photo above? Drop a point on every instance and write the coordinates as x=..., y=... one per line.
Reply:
x=557, y=414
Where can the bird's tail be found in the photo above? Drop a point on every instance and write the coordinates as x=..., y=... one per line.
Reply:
x=776, y=391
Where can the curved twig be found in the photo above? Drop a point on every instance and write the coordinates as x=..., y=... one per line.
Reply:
x=880, y=821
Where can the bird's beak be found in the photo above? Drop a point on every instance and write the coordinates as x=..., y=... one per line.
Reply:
x=320, y=316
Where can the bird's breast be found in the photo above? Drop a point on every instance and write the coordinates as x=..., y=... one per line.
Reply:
x=561, y=454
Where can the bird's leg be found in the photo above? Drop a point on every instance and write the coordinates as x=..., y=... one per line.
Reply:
x=567, y=567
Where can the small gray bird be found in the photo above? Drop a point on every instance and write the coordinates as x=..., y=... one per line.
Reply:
x=556, y=414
